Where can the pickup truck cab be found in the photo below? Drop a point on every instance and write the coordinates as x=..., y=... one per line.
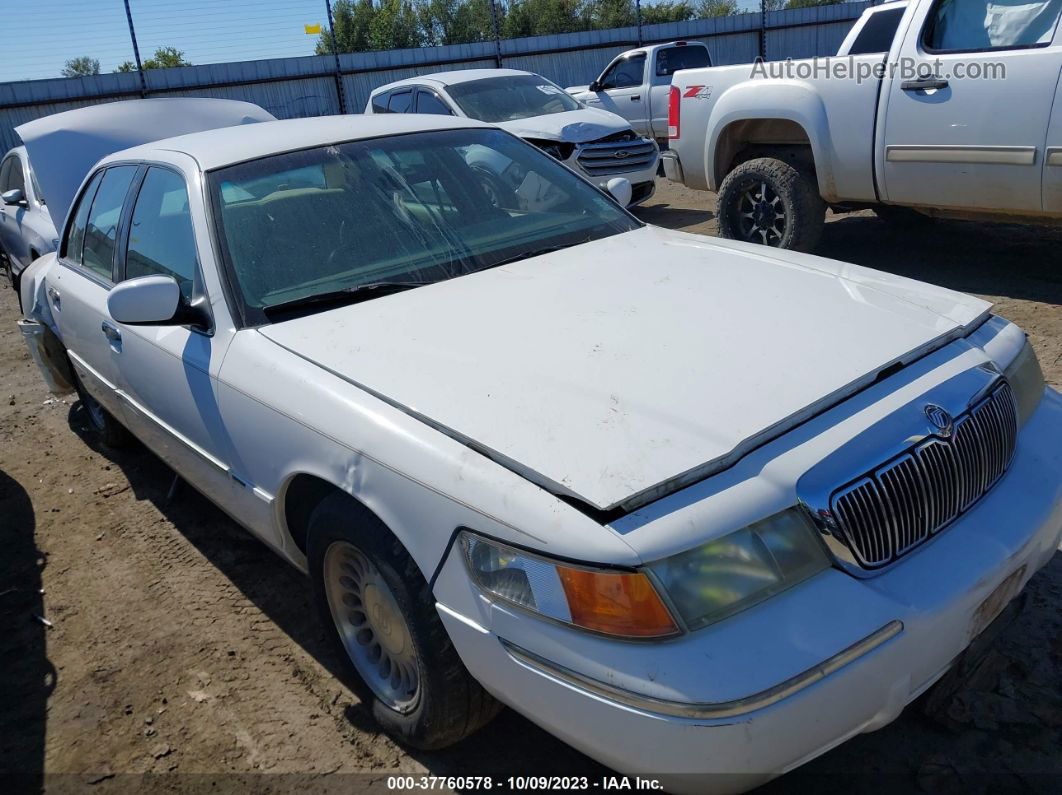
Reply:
x=635, y=85
x=961, y=117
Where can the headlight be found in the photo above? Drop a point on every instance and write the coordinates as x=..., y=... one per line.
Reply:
x=732, y=573
x=1026, y=379
x=612, y=602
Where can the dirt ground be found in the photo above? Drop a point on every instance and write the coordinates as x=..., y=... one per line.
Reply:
x=181, y=650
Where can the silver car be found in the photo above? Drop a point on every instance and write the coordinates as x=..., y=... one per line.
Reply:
x=26, y=228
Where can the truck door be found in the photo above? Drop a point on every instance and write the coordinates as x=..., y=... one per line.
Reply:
x=621, y=89
x=964, y=126
x=666, y=62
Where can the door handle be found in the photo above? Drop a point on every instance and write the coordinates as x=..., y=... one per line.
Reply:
x=111, y=333
x=923, y=84
x=53, y=296
x=636, y=98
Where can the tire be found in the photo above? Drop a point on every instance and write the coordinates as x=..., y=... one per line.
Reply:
x=767, y=201
x=901, y=216
x=111, y=432
x=498, y=193
x=390, y=625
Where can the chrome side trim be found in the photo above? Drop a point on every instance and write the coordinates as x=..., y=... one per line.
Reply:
x=705, y=710
x=1054, y=156
x=1002, y=155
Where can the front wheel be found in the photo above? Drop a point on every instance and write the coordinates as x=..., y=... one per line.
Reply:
x=768, y=201
x=381, y=615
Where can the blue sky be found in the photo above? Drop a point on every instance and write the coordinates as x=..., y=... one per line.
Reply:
x=38, y=36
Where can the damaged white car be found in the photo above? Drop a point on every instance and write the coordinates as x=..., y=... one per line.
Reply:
x=594, y=142
x=695, y=507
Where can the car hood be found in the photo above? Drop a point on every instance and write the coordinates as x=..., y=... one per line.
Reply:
x=65, y=146
x=573, y=90
x=620, y=370
x=573, y=126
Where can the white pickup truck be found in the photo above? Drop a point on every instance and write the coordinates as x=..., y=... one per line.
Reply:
x=962, y=117
x=635, y=84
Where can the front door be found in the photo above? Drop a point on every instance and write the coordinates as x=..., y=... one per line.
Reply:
x=966, y=129
x=12, y=177
x=621, y=89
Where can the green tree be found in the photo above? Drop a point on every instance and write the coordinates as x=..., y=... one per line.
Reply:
x=79, y=67
x=668, y=11
x=457, y=21
x=542, y=17
x=164, y=58
x=709, y=9
x=810, y=3
x=606, y=14
x=395, y=26
x=352, y=19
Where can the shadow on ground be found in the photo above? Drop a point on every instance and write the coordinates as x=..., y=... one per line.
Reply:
x=28, y=676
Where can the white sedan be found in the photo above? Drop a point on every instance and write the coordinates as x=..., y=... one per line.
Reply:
x=26, y=228
x=593, y=142
x=701, y=509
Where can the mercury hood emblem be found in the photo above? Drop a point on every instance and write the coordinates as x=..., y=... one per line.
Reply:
x=940, y=419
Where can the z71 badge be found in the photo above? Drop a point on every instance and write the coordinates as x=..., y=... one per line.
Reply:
x=697, y=92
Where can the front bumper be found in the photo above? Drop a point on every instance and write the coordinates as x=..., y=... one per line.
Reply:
x=643, y=180
x=936, y=595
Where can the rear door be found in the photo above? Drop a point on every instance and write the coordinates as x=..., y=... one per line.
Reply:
x=77, y=290
x=970, y=134
x=666, y=62
x=1052, y=179
x=622, y=90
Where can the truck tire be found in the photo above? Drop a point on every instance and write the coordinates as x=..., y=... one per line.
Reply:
x=768, y=201
x=380, y=615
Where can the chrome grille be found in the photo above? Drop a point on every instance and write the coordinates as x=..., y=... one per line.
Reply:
x=605, y=156
x=888, y=512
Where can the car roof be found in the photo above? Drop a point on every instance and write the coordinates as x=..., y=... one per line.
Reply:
x=228, y=145
x=453, y=78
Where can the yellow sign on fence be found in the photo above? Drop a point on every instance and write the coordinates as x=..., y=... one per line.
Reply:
x=312, y=28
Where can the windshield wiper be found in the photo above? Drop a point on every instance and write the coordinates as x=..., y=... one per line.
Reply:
x=537, y=252
x=348, y=295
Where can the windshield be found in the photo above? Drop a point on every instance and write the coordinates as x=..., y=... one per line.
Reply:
x=415, y=209
x=496, y=99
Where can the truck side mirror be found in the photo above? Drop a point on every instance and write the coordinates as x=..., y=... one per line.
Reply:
x=595, y=86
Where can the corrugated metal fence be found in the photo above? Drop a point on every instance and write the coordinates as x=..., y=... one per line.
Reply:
x=308, y=86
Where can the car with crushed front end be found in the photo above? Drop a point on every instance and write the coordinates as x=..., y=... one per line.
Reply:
x=699, y=508
x=26, y=228
x=595, y=142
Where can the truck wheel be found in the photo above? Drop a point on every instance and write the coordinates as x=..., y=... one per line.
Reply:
x=111, y=432
x=380, y=614
x=767, y=201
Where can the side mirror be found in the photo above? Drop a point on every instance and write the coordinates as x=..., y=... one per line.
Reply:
x=14, y=197
x=594, y=86
x=620, y=190
x=145, y=301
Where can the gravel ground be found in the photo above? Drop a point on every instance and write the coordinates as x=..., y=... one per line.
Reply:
x=179, y=645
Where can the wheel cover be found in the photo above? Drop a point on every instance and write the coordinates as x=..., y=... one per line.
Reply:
x=371, y=626
x=761, y=215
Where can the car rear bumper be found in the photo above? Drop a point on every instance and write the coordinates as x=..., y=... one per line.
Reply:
x=672, y=166
x=924, y=612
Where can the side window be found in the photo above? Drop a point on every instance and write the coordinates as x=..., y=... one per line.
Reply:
x=626, y=73
x=101, y=230
x=427, y=102
x=75, y=237
x=400, y=102
x=379, y=103
x=878, y=33
x=972, y=25
x=161, y=238
x=17, y=178
x=670, y=59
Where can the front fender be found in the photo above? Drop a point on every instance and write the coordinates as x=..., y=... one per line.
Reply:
x=790, y=100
